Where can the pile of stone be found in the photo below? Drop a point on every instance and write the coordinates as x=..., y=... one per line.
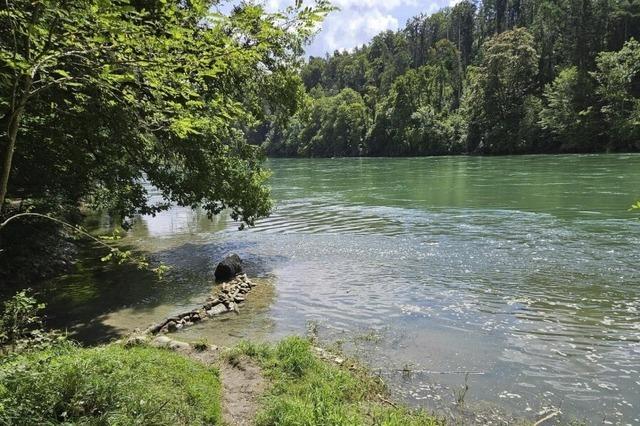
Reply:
x=231, y=294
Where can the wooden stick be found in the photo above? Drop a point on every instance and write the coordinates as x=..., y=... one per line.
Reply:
x=547, y=417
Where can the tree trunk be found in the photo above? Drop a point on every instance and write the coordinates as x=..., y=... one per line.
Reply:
x=12, y=133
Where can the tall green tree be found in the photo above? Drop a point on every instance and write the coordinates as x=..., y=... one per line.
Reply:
x=498, y=103
x=618, y=77
x=533, y=91
x=570, y=113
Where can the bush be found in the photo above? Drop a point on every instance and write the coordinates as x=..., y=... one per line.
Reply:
x=19, y=318
x=107, y=385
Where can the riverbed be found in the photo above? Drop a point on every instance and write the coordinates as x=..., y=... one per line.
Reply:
x=522, y=271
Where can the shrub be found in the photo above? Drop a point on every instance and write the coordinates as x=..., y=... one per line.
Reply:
x=19, y=318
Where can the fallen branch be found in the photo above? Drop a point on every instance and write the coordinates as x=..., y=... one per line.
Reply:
x=547, y=417
x=386, y=401
x=140, y=261
x=61, y=222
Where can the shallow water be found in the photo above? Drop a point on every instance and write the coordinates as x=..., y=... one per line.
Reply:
x=522, y=270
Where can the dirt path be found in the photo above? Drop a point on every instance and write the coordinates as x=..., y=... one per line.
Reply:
x=242, y=386
x=242, y=381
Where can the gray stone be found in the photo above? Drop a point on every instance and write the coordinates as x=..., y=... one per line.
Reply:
x=136, y=340
x=217, y=310
x=176, y=345
x=161, y=341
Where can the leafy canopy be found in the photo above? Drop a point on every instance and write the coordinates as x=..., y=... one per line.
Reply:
x=107, y=95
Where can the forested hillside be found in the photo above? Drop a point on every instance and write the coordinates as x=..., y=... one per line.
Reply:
x=491, y=77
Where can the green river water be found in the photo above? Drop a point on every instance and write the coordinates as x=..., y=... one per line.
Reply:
x=523, y=270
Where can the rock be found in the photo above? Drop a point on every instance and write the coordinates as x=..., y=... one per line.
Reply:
x=210, y=305
x=228, y=268
x=161, y=341
x=238, y=299
x=217, y=310
x=176, y=345
x=172, y=326
x=136, y=340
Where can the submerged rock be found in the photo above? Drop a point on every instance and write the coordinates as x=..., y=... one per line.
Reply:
x=228, y=268
x=217, y=310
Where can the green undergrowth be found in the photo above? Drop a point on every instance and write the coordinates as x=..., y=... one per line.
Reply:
x=307, y=391
x=111, y=385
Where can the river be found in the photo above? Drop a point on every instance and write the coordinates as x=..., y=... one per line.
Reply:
x=521, y=270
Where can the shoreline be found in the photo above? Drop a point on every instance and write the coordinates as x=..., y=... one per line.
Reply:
x=231, y=295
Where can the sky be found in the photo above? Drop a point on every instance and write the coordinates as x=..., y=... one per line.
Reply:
x=358, y=21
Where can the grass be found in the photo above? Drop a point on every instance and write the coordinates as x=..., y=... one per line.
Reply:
x=200, y=345
x=308, y=391
x=107, y=385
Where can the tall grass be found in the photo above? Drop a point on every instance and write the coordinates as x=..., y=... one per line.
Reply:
x=107, y=385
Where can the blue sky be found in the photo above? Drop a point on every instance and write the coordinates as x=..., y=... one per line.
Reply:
x=358, y=21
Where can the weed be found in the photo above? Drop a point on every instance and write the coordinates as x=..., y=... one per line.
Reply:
x=406, y=371
x=20, y=317
x=201, y=345
x=462, y=392
x=312, y=331
x=370, y=337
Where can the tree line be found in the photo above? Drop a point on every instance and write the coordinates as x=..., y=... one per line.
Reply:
x=490, y=77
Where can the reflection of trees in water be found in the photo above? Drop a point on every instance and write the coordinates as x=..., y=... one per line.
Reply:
x=178, y=221
x=175, y=222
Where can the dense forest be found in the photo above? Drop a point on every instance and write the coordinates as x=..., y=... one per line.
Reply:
x=490, y=77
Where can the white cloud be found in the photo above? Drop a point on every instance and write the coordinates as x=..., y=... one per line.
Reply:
x=350, y=28
x=357, y=21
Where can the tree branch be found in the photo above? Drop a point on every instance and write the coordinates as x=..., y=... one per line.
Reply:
x=61, y=222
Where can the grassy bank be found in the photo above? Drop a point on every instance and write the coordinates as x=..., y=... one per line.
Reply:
x=307, y=390
x=107, y=385
x=120, y=385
